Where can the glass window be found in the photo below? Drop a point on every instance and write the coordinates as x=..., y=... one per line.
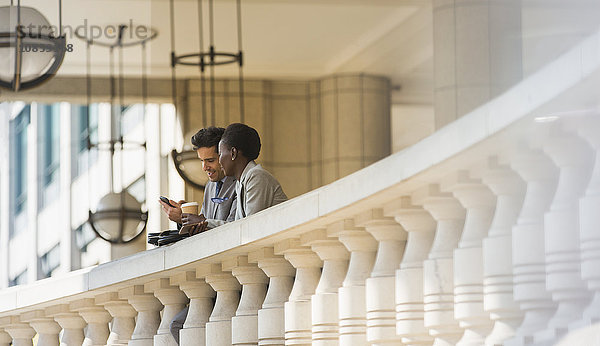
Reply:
x=138, y=189
x=49, y=262
x=132, y=116
x=18, y=164
x=84, y=127
x=84, y=235
x=19, y=279
x=49, y=152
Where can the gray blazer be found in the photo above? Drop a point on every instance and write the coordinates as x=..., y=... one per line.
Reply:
x=257, y=190
x=219, y=213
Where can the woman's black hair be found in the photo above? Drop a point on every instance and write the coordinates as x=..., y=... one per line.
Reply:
x=208, y=137
x=243, y=138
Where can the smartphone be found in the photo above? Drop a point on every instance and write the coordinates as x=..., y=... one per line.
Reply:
x=166, y=200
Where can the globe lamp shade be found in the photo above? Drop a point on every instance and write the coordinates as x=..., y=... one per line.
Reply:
x=118, y=218
x=31, y=50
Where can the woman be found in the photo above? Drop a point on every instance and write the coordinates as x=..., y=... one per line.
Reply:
x=256, y=188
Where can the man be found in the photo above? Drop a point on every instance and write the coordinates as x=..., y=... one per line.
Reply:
x=218, y=206
x=219, y=203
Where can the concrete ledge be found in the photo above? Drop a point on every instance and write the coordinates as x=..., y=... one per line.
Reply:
x=54, y=288
x=127, y=268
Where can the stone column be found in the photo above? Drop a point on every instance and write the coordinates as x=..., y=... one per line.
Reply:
x=438, y=269
x=477, y=54
x=5, y=339
x=528, y=248
x=46, y=328
x=352, y=300
x=148, y=317
x=350, y=127
x=324, y=303
x=271, y=318
x=244, y=325
x=479, y=202
x=298, y=323
x=97, y=319
x=573, y=157
x=123, y=315
x=21, y=333
x=201, y=297
x=589, y=219
x=497, y=252
x=553, y=29
x=72, y=324
x=420, y=227
x=218, y=329
x=173, y=301
x=380, y=286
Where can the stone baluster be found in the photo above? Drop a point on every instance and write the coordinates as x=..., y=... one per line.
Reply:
x=46, y=327
x=5, y=339
x=479, y=203
x=438, y=269
x=324, y=303
x=148, y=314
x=218, y=329
x=497, y=252
x=201, y=297
x=21, y=333
x=71, y=323
x=589, y=218
x=420, y=227
x=271, y=318
x=351, y=296
x=123, y=315
x=573, y=157
x=173, y=301
x=97, y=319
x=380, y=286
x=244, y=324
x=528, y=248
x=298, y=323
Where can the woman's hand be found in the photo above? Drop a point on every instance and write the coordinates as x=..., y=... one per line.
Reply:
x=191, y=219
x=199, y=228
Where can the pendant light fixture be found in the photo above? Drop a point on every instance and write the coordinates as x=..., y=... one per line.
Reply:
x=207, y=58
x=118, y=217
x=31, y=49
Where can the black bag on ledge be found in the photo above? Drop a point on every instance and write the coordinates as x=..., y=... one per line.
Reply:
x=165, y=237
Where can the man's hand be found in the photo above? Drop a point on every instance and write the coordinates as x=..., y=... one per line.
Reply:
x=199, y=228
x=173, y=213
x=190, y=219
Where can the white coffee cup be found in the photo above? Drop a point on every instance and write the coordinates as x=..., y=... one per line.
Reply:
x=190, y=208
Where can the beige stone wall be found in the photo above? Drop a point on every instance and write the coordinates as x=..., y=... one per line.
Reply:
x=312, y=132
x=410, y=124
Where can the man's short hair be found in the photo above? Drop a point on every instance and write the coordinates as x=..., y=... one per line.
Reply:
x=243, y=138
x=208, y=137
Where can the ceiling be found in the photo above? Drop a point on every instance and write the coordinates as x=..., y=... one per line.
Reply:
x=282, y=39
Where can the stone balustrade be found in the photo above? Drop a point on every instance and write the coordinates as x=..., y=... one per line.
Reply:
x=485, y=232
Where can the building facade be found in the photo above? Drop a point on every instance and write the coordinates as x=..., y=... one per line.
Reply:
x=51, y=180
